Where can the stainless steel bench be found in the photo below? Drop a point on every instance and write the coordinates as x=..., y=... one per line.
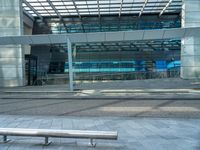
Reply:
x=46, y=133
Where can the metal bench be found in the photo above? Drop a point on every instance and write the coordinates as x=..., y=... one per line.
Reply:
x=46, y=133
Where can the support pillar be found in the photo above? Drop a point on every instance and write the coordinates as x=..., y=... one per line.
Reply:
x=190, y=47
x=69, y=52
x=12, y=70
x=74, y=60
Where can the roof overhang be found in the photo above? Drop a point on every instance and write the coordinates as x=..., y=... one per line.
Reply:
x=121, y=36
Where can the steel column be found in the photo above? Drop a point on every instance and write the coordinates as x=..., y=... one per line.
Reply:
x=69, y=52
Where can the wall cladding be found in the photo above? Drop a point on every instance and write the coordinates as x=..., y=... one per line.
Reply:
x=190, y=48
x=11, y=56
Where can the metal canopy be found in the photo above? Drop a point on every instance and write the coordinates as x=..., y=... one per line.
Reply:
x=59, y=8
x=130, y=46
x=121, y=36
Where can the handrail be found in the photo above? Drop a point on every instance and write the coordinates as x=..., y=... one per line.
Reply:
x=46, y=133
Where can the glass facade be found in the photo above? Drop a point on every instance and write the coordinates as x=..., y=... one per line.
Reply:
x=112, y=61
x=122, y=60
x=127, y=60
x=111, y=24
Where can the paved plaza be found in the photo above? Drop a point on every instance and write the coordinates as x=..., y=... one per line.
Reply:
x=163, y=108
x=150, y=119
x=141, y=124
x=134, y=133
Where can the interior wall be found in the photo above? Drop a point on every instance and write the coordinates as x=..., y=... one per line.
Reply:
x=27, y=31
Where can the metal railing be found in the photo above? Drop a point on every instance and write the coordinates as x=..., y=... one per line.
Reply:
x=46, y=133
x=140, y=75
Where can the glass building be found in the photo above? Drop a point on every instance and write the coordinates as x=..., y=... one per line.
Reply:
x=99, y=61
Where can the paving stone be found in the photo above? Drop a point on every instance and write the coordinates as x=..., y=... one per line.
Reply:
x=134, y=133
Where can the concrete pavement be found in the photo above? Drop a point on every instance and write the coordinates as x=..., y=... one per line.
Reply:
x=134, y=133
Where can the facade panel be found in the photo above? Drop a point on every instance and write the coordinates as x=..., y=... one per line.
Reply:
x=11, y=56
x=190, y=53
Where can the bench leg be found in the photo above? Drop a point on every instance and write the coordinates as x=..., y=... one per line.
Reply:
x=92, y=143
x=46, y=141
x=5, y=140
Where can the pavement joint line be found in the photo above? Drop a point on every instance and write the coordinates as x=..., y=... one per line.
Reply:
x=107, y=98
x=42, y=92
x=111, y=91
x=146, y=92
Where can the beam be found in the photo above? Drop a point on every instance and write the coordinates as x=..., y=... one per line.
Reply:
x=76, y=8
x=122, y=36
x=69, y=52
x=35, y=11
x=137, y=48
x=128, y=55
x=145, y=3
x=61, y=18
x=98, y=8
x=151, y=46
x=165, y=8
x=120, y=10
